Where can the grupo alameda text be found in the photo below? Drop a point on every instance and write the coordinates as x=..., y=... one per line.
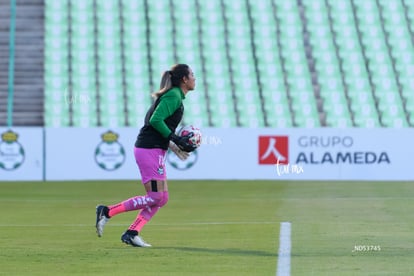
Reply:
x=338, y=150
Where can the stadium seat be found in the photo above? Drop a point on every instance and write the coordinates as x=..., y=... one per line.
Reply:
x=137, y=75
x=402, y=49
x=327, y=65
x=356, y=76
x=56, y=80
x=188, y=51
x=380, y=63
x=83, y=64
x=161, y=40
x=276, y=104
x=298, y=75
x=249, y=59
x=110, y=79
x=216, y=64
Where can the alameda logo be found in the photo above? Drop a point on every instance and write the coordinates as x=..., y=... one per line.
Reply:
x=338, y=151
x=273, y=149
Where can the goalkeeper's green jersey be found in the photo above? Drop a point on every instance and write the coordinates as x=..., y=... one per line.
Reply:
x=161, y=119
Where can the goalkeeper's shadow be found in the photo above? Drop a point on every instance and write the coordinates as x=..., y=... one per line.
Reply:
x=225, y=251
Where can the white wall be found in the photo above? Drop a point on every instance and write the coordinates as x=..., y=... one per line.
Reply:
x=310, y=154
x=21, y=159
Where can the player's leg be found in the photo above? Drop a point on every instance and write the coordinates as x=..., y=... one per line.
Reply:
x=151, y=198
x=151, y=163
x=145, y=202
x=102, y=217
x=147, y=213
x=131, y=236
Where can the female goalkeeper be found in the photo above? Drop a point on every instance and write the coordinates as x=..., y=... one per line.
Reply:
x=153, y=141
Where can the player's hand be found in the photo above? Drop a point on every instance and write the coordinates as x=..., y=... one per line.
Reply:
x=183, y=142
x=180, y=153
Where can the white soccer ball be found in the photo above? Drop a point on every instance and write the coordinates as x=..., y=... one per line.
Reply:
x=197, y=137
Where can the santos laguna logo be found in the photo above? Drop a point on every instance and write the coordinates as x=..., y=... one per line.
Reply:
x=109, y=153
x=314, y=150
x=11, y=151
x=182, y=165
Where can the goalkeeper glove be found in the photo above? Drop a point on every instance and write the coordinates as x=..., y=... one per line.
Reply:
x=183, y=142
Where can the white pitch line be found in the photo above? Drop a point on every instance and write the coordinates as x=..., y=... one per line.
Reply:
x=283, y=257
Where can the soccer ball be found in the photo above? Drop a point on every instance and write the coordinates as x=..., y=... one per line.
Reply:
x=197, y=137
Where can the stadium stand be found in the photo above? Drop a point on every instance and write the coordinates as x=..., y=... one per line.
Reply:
x=56, y=64
x=398, y=25
x=268, y=63
x=380, y=65
x=356, y=76
x=27, y=76
x=218, y=80
x=188, y=40
x=135, y=58
x=296, y=65
x=4, y=56
x=327, y=64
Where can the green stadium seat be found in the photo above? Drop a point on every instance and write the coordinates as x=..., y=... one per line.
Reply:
x=339, y=121
x=84, y=120
x=160, y=40
x=381, y=65
x=56, y=106
x=402, y=49
x=111, y=99
x=136, y=113
x=195, y=109
x=356, y=76
x=51, y=120
x=326, y=64
x=218, y=80
x=222, y=106
x=118, y=81
x=137, y=75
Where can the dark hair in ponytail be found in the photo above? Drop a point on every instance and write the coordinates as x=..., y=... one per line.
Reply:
x=172, y=78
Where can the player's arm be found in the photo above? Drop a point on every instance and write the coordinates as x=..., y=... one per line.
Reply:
x=169, y=103
x=183, y=155
x=166, y=107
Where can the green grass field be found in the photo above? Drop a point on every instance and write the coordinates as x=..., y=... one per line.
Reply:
x=210, y=228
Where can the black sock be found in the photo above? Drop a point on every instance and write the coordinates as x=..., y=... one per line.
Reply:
x=106, y=212
x=132, y=232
